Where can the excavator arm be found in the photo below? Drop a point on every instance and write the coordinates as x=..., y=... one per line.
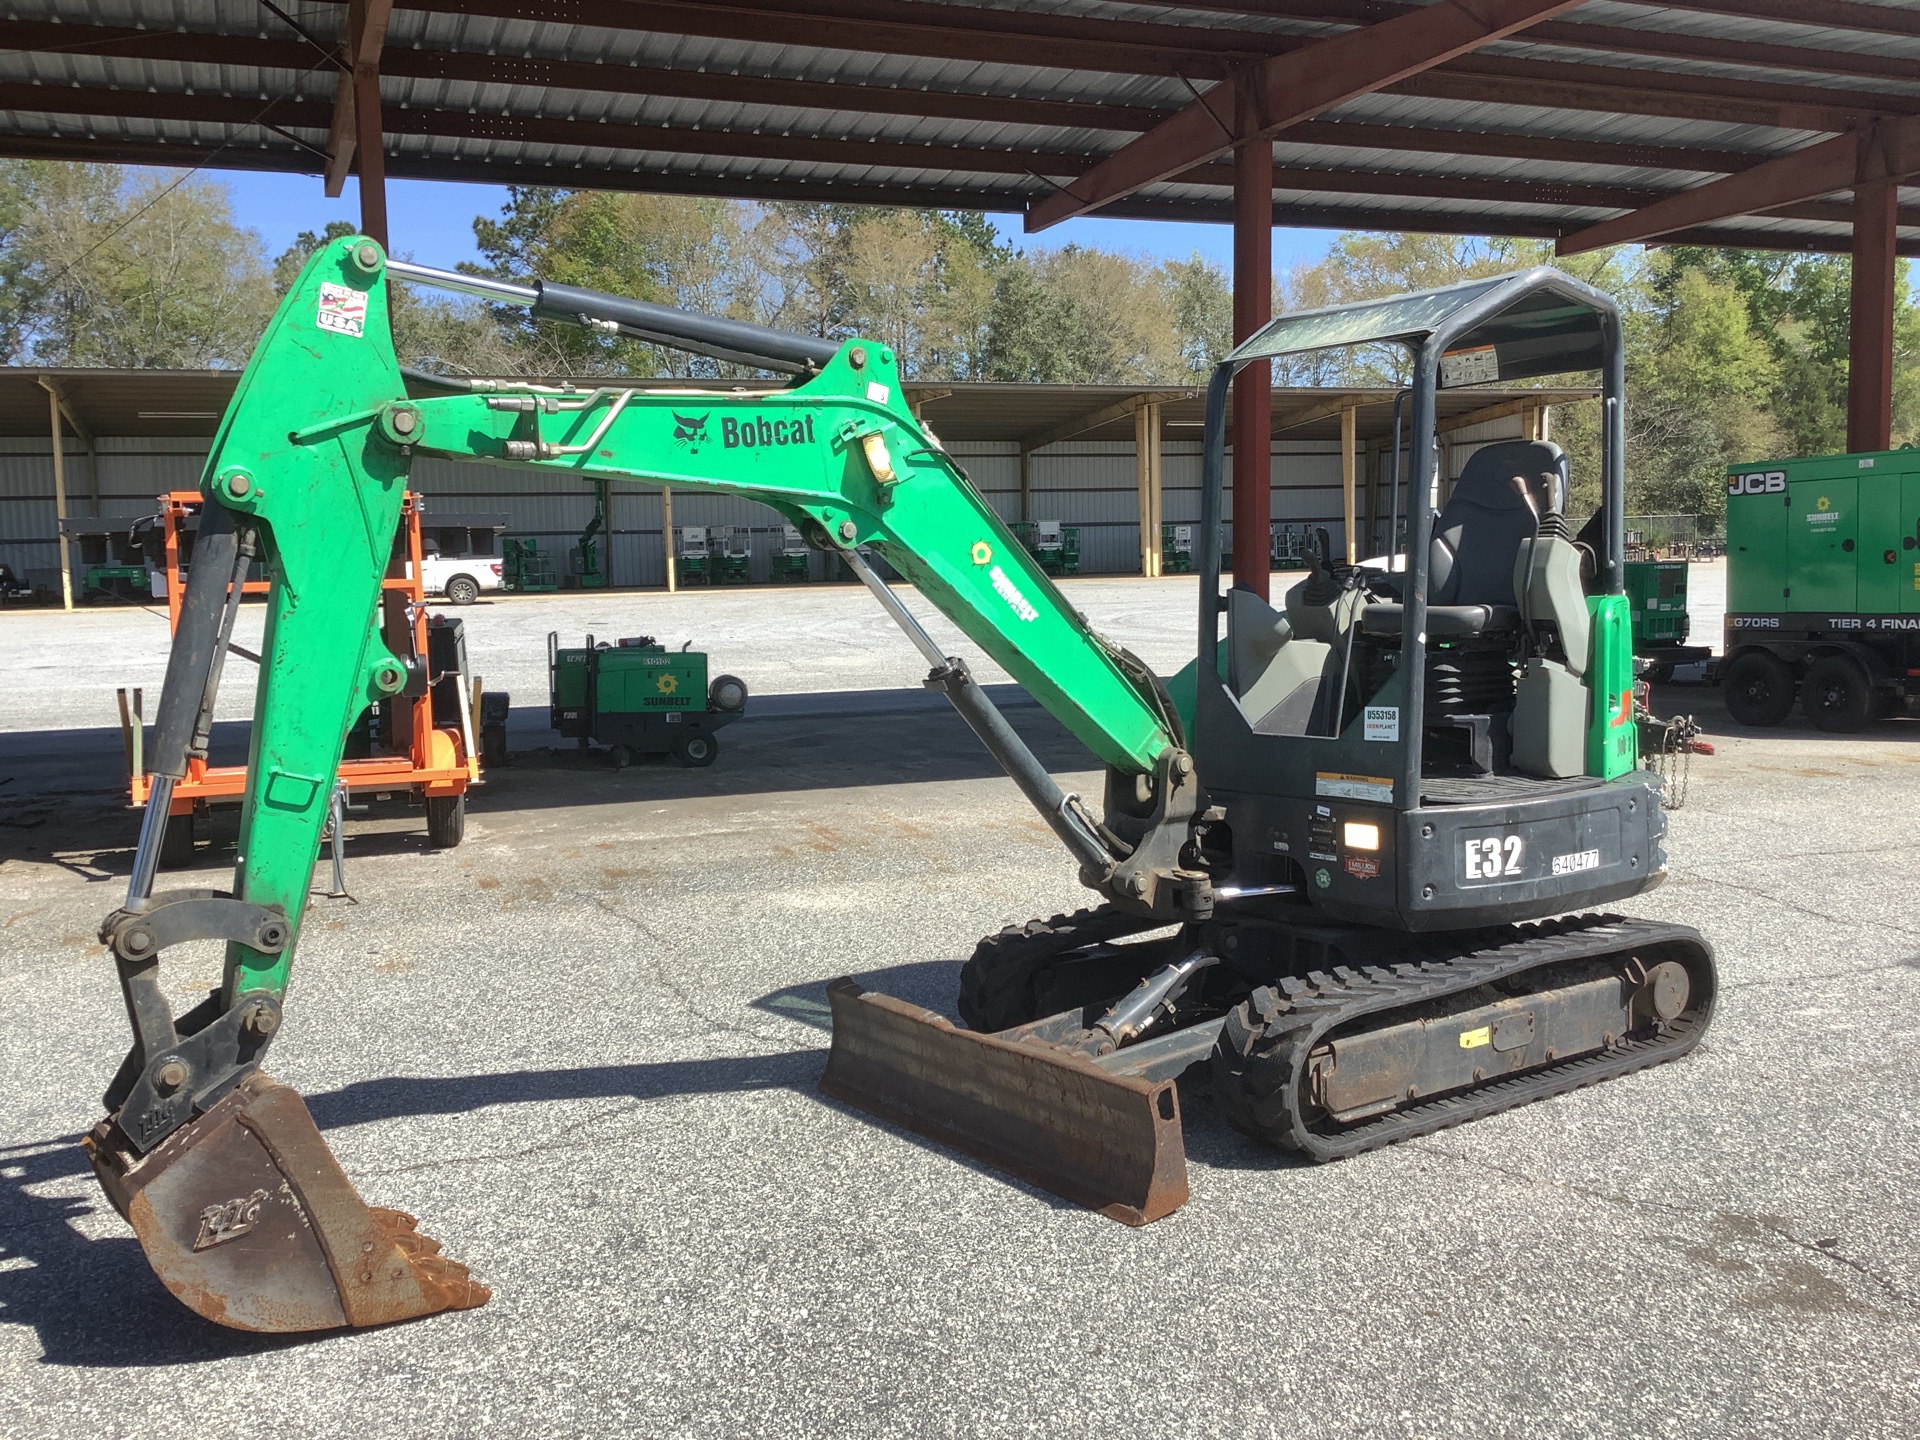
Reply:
x=238, y=1203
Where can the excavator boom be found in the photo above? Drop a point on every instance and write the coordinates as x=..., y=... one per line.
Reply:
x=237, y=1201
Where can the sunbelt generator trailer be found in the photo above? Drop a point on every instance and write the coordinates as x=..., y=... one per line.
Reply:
x=1823, y=589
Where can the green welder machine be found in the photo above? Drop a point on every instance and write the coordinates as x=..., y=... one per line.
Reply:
x=1657, y=592
x=639, y=698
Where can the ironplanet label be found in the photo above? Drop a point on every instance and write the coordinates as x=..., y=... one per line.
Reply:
x=745, y=434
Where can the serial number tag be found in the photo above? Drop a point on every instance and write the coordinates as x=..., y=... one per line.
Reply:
x=1573, y=864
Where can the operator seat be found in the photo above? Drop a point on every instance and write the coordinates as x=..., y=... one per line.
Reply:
x=1495, y=507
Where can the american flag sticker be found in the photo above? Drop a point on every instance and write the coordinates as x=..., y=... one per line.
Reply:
x=342, y=308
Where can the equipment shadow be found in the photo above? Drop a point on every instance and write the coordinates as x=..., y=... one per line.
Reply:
x=1708, y=706
x=1210, y=1140
x=95, y=1302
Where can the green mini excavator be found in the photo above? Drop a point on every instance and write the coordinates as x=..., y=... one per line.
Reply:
x=1328, y=857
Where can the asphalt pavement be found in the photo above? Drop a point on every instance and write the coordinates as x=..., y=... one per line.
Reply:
x=583, y=1048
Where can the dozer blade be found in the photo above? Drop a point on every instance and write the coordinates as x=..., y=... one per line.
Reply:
x=249, y=1220
x=1109, y=1142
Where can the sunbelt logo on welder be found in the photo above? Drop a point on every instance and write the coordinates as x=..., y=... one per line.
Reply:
x=746, y=434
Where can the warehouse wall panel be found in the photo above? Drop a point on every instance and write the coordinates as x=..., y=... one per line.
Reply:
x=1088, y=484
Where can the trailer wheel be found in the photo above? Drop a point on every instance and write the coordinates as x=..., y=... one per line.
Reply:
x=728, y=694
x=462, y=590
x=621, y=756
x=176, y=843
x=1759, y=689
x=696, y=748
x=446, y=820
x=1836, y=695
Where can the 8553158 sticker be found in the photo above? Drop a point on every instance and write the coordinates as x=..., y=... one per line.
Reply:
x=342, y=309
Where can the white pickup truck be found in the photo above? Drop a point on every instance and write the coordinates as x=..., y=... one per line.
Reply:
x=460, y=578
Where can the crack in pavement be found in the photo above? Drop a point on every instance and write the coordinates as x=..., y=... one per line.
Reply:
x=1910, y=963
x=1801, y=909
x=660, y=972
x=1633, y=1204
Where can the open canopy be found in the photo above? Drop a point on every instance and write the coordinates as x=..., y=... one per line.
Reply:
x=1511, y=327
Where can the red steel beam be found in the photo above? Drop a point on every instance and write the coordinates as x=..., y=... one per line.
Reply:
x=1870, y=339
x=1615, y=90
x=1816, y=14
x=367, y=38
x=1819, y=14
x=1889, y=151
x=1585, y=35
x=1285, y=89
x=1499, y=145
x=1253, y=386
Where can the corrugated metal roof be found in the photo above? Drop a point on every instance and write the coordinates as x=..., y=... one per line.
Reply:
x=984, y=104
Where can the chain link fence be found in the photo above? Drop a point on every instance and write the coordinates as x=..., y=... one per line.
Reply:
x=1675, y=537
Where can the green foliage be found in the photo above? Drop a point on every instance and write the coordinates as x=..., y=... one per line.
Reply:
x=1701, y=381
x=1732, y=355
x=102, y=266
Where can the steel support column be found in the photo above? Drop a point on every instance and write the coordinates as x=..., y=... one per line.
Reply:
x=60, y=498
x=666, y=537
x=1870, y=340
x=1253, y=386
x=1147, y=474
x=1349, y=480
x=370, y=147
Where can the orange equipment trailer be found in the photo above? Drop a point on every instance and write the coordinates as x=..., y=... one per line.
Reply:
x=421, y=743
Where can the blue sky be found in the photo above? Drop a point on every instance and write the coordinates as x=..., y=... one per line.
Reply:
x=433, y=220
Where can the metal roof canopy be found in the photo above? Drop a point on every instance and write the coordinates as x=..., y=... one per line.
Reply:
x=189, y=404
x=1520, y=117
x=1550, y=325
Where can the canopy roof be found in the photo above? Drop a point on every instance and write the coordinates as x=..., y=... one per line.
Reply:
x=1533, y=322
x=1582, y=114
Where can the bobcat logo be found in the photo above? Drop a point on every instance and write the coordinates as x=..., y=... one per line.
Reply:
x=229, y=1220
x=690, y=432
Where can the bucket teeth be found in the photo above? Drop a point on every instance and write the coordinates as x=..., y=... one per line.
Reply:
x=248, y=1219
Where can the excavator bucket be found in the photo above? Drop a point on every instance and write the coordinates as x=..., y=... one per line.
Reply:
x=1109, y=1142
x=249, y=1220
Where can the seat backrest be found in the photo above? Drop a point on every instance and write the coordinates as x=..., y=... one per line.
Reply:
x=1496, y=504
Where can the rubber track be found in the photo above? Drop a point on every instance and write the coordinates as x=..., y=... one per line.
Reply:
x=1263, y=1050
x=996, y=982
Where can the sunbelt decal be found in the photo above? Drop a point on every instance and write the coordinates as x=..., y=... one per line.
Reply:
x=1010, y=592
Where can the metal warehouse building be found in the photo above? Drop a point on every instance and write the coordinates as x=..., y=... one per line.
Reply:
x=1101, y=458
